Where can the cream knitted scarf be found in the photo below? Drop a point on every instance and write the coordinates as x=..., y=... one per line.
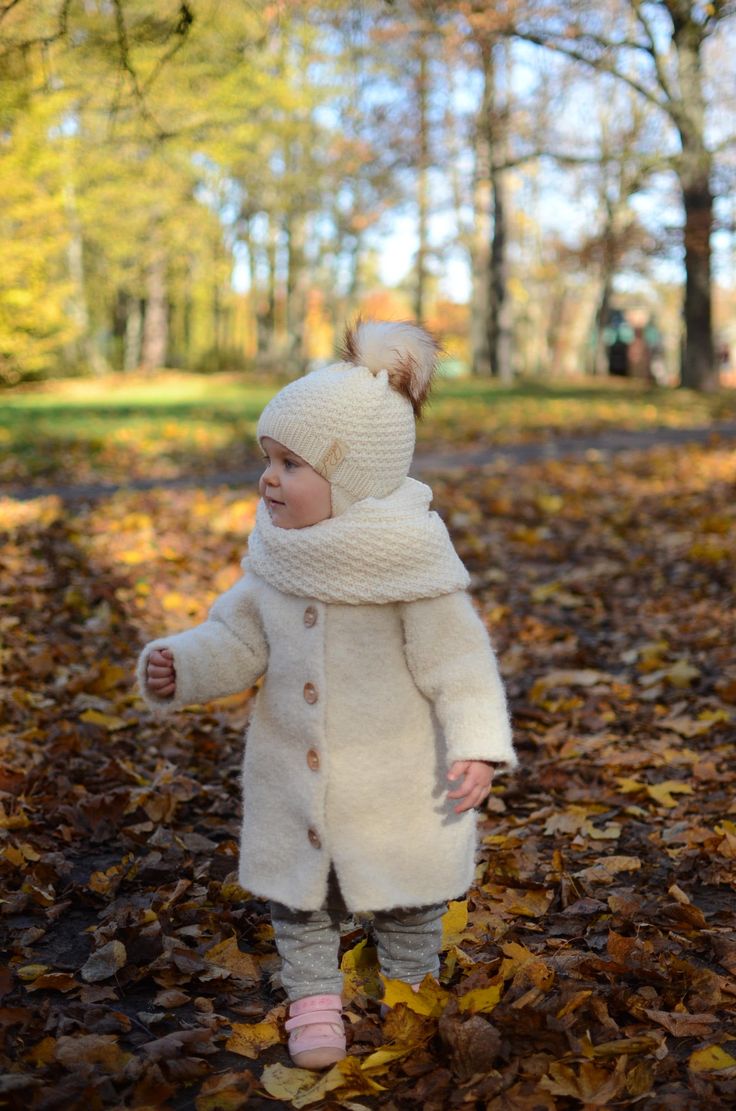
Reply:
x=392, y=549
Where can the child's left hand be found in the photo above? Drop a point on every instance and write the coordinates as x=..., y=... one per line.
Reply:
x=476, y=785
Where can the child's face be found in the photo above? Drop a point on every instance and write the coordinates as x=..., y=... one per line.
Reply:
x=295, y=495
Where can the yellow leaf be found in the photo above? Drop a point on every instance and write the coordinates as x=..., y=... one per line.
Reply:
x=454, y=958
x=174, y=602
x=681, y=674
x=454, y=923
x=630, y=786
x=608, y=867
x=480, y=1001
x=430, y=1000
x=110, y=676
x=377, y=1061
x=31, y=971
x=549, y=503
x=132, y=556
x=300, y=1087
x=662, y=792
x=109, y=721
x=250, y=1039
x=13, y=821
x=710, y=1058
x=228, y=955
x=359, y=966
x=525, y=967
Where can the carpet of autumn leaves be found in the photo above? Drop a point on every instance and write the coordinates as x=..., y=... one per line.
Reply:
x=594, y=964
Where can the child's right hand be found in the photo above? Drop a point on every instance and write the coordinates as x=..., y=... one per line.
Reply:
x=161, y=673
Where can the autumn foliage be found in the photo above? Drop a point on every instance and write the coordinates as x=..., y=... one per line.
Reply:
x=594, y=963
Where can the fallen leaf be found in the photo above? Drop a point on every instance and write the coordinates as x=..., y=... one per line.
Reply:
x=431, y=999
x=74, y=1052
x=682, y=1024
x=663, y=792
x=480, y=1000
x=301, y=1087
x=241, y=965
x=608, y=867
x=104, y=962
x=250, y=1039
x=454, y=923
x=108, y=721
x=591, y=1084
x=228, y=1091
x=711, y=1058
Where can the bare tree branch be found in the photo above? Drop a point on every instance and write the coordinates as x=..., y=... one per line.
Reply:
x=186, y=19
x=599, y=63
x=7, y=8
x=125, y=61
x=62, y=27
x=652, y=50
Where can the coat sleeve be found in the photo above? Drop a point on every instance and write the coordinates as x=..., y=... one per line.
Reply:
x=453, y=664
x=223, y=655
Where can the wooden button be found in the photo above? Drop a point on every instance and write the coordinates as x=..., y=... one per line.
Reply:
x=313, y=759
x=314, y=839
x=310, y=616
x=310, y=693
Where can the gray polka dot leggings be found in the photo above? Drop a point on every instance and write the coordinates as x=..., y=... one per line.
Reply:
x=408, y=943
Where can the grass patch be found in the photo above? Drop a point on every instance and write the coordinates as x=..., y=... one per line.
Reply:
x=126, y=427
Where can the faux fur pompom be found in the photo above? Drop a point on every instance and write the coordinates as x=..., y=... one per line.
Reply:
x=407, y=351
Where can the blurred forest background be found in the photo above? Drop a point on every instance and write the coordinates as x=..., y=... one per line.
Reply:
x=214, y=184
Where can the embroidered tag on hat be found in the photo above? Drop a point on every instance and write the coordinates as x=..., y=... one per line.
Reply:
x=332, y=458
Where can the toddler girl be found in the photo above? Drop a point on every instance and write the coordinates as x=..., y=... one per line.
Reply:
x=381, y=690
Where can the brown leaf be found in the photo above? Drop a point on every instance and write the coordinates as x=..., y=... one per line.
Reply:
x=473, y=1043
x=682, y=1024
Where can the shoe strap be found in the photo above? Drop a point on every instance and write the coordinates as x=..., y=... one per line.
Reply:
x=315, y=1003
x=313, y=1019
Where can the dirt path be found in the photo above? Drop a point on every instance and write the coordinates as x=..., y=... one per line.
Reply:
x=425, y=462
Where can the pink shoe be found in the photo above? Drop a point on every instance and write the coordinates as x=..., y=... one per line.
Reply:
x=316, y=1032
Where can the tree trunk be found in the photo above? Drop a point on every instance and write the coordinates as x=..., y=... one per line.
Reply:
x=492, y=130
x=155, y=322
x=87, y=349
x=422, y=91
x=296, y=288
x=598, y=362
x=499, y=314
x=132, y=335
x=698, y=358
x=697, y=369
x=269, y=319
x=480, y=250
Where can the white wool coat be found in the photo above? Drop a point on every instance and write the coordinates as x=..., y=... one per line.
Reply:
x=362, y=710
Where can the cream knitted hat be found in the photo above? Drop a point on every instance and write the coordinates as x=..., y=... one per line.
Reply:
x=354, y=421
